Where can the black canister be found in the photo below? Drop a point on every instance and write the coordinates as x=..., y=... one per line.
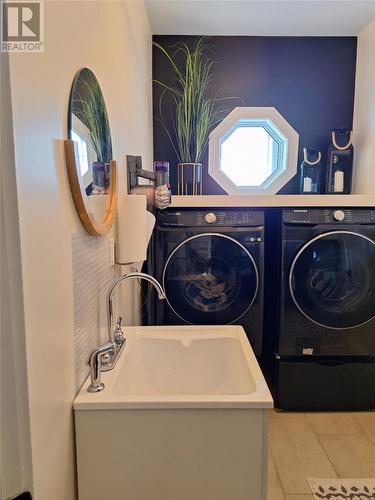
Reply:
x=340, y=162
x=311, y=167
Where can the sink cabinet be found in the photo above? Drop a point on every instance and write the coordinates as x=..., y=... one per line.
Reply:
x=172, y=454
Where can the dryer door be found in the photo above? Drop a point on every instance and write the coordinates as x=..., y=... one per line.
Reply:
x=210, y=278
x=332, y=280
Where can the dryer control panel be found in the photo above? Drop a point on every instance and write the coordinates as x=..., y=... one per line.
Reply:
x=210, y=217
x=329, y=216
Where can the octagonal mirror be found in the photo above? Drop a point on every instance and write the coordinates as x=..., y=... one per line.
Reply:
x=253, y=151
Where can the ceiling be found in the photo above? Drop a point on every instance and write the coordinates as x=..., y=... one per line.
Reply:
x=260, y=17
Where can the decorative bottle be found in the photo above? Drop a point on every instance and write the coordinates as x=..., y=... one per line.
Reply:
x=311, y=171
x=340, y=162
x=162, y=188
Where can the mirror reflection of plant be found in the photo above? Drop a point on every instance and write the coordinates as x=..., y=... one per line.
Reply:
x=196, y=108
x=91, y=110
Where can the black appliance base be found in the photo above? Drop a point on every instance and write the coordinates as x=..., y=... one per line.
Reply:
x=329, y=384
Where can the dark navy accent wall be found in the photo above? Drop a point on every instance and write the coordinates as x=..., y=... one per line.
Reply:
x=309, y=80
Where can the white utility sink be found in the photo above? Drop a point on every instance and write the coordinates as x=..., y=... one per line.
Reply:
x=183, y=416
x=172, y=366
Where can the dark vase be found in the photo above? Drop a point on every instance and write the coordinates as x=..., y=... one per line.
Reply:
x=190, y=179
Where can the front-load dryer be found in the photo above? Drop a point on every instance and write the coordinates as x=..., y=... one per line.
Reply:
x=210, y=263
x=325, y=356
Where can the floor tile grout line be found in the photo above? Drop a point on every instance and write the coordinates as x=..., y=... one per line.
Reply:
x=361, y=433
x=321, y=445
x=351, y=414
x=285, y=493
x=329, y=460
x=364, y=436
x=278, y=475
x=324, y=451
x=309, y=424
x=364, y=430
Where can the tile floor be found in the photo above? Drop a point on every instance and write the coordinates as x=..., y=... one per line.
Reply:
x=303, y=445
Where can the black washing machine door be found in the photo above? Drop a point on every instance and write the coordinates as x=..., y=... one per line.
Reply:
x=332, y=280
x=210, y=278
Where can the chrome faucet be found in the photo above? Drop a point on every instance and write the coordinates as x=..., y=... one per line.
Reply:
x=104, y=357
x=144, y=276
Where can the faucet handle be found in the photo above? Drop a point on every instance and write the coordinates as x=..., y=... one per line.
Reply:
x=119, y=334
x=102, y=351
x=95, y=362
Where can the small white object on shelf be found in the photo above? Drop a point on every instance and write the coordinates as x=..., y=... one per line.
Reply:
x=307, y=185
x=339, y=181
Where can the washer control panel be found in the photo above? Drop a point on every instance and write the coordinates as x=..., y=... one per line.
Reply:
x=329, y=216
x=210, y=217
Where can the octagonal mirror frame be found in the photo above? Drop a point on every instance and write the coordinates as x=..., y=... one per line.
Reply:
x=266, y=117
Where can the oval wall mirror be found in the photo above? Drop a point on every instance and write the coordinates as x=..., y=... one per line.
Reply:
x=91, y=169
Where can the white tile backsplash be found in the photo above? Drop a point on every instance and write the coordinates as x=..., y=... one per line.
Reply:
x=92, y=275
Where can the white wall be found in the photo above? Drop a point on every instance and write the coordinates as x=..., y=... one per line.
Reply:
x=364, y=113
x=114, y=40
x=15, y=463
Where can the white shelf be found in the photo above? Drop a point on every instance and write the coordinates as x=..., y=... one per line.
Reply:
x=264, y=201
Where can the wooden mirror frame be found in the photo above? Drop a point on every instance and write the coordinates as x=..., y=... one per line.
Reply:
x=81, y=201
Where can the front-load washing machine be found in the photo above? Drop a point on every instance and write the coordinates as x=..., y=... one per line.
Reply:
x=325, y=355
x=210, y=263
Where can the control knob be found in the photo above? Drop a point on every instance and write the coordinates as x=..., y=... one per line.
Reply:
x=210, y=218
x=339, y=215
